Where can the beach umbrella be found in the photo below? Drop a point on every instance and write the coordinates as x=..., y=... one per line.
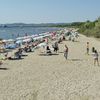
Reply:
x=19, y=38
x=42, y=44
x=35, y=35
x=10, y=46
x=10, y=41
x=39, y=37
x=4, y=41
x=19, y=42
x=27, y=40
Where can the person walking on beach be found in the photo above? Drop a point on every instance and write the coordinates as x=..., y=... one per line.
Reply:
x=56, y=48
x=66, y=52
x=95, y=54
x=93, y=49
x=88, y=48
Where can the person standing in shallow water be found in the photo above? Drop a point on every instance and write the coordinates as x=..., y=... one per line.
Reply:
x=66, y=52
x=88, y=48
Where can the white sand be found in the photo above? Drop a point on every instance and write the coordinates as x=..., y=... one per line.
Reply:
x=52, y=77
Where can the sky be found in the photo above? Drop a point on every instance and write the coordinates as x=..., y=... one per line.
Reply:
x=48, y=11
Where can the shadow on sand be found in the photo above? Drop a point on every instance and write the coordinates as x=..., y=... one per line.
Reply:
x=15, y=59
x=48, y=54
x=3, y=68
x=75, y=59
x=61, y=52
x=24, y=55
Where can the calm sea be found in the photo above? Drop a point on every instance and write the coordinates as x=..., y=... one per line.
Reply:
x=14, y=32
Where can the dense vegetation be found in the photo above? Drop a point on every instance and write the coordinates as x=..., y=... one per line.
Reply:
x=89, y=28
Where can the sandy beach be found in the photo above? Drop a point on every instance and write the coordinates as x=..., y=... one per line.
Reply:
x=38, y=77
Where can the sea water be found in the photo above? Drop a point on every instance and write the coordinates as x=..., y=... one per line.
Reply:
x=14, y=32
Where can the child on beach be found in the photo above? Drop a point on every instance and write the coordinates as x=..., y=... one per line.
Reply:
x=66, y=52
x=88, y=48
x=95, y=54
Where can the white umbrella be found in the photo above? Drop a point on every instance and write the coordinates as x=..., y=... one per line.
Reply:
x=19, y=38
x=39, y=37
x=35, y=35
x=42, y=44
x=27, y=40
x=4, y=40
x=19, y=41
x=10, y=40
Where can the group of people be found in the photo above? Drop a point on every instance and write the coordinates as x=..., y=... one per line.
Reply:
x=54, y=46
x=94, y=53
x=18, y=53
